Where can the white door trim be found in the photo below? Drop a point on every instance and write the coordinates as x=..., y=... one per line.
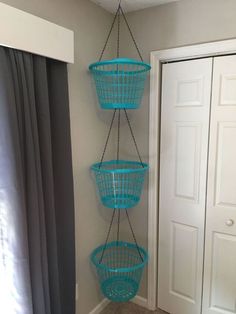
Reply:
x=157, y=58
x=24, y=31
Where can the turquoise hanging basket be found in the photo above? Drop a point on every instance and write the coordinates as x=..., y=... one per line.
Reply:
x=119, y=267
x=120, y=182
x=120, y=82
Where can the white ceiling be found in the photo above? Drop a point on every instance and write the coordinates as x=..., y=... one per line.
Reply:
x=130, y=5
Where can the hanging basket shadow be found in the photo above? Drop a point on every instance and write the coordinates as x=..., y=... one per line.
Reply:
x=120, y=269
x=120, y=182
x=120, y=82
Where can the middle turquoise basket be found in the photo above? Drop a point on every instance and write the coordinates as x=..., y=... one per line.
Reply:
x=120, y=182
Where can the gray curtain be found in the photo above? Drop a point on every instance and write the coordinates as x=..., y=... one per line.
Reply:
x=37, y=251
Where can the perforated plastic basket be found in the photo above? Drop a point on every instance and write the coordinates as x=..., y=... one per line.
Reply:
x=120, y=183
x=120, y=82
x=120, y=269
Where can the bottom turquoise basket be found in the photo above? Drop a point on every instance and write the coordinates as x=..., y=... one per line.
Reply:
x=119, y=266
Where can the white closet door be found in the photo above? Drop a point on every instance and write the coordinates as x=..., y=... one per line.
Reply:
x=220, y=258
x=186, y=91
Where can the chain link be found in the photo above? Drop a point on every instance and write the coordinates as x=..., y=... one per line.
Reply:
x=109, y=231
x=117, y=15
x=118, y=138
x=132, y=36
x=109, y=34
x=118, y=227
x=108, y=136
x=118, y=33
x=135, y=240
x=132, y=134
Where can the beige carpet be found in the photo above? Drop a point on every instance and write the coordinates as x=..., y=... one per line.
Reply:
x=127, y=308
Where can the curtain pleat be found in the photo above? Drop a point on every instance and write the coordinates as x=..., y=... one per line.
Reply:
x=36, y=199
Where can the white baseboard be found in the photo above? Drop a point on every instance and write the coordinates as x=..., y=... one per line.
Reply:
x=101, y=306
x=140, y=301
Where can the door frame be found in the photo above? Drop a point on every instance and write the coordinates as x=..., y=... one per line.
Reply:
x=211, y=49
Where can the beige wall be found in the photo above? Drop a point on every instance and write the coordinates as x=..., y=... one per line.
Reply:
x=90, y=24
x=175, y=24
x=182, y=23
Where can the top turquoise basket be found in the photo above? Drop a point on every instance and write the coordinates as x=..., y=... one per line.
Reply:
x=120, y=82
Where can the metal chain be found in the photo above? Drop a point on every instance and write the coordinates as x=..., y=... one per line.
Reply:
x=132, y=133
x=117, y=158
x=109, y=231
x=118, y=233
x=109, y=34
x=118, y=227
x=117, y=15
x=118, y=138
x=132, y=36
x=118, y=33
x=108, y=136
x=136, y=243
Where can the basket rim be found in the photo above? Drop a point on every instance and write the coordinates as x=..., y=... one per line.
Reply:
x=98, y=166
x=120, y=61
x=122, y=269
